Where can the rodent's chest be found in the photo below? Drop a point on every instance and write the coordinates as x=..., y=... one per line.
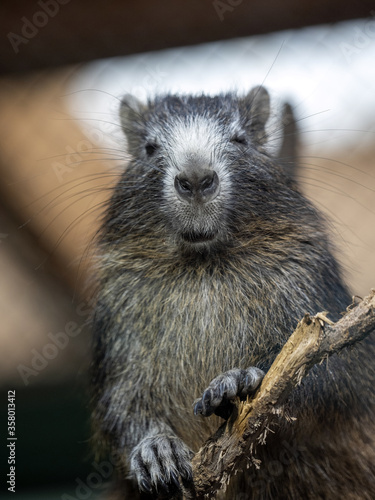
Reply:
x=205, y=318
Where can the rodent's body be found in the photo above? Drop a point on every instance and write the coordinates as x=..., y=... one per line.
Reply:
x=201, y=278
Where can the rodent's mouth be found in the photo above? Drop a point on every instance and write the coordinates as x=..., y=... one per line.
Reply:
x=198, y=237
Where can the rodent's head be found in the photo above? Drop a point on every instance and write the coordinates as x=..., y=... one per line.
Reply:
x=200, y=166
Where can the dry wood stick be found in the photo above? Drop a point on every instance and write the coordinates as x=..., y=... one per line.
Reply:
x=312, y=341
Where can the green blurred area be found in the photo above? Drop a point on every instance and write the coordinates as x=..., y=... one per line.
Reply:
x=53, y=456
x=54, y=494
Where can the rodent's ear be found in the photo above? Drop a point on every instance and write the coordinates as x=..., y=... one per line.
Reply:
x=131, y=120
x=130, y=111
x=256, y=105
x=289, y=145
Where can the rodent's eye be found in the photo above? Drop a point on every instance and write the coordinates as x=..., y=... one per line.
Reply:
x=151, y=148
x=239, y=139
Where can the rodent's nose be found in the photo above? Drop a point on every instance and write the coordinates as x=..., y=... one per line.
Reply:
x=201, y=187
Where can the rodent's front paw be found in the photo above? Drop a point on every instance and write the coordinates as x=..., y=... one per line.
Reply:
x=162, y=465
x=218, y=395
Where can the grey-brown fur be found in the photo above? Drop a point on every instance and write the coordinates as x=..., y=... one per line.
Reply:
x=190, y=289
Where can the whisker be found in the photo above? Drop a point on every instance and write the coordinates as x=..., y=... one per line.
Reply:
x=71, y=226
x=336, y=190
x=316, y=168
x=91, y=90
x=340, y=162
x=334, y=219
x=94, y=177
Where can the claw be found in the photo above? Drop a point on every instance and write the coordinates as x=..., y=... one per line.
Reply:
x=218, y=396
x=198, y=408
x=175, y=480
x=207, y=396
x=160, y=463
x=162, y=485
x=145, y=486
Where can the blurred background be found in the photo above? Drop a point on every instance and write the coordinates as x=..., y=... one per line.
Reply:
x=63, y=68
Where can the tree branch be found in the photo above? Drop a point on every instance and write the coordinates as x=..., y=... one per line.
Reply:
x=311, y=342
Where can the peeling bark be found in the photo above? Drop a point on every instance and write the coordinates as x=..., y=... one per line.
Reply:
x=314, y=339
